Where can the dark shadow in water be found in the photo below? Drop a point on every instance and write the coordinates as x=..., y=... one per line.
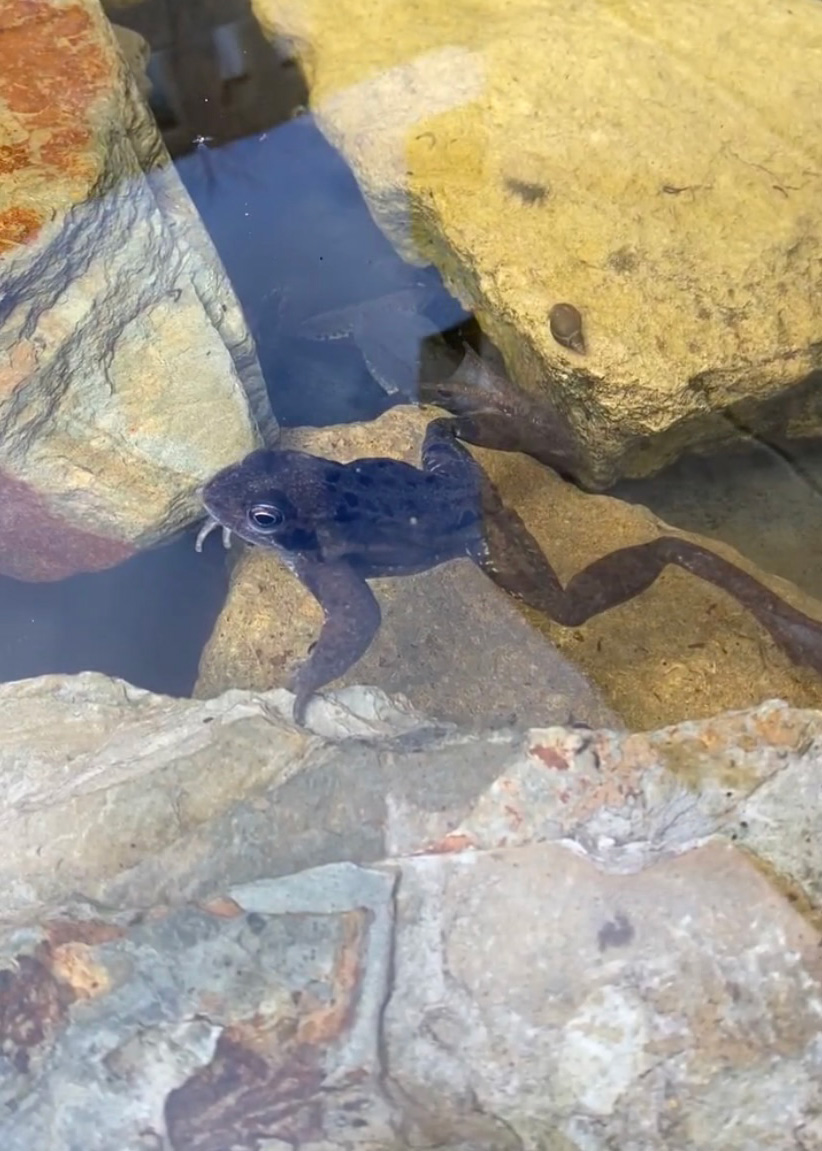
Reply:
x=296, y=238
x=145, y=621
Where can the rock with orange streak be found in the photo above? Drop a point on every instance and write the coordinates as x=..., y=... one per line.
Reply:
x=127, y=373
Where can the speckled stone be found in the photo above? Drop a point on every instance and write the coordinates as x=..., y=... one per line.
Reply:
x=222, y=932
x=127, y=373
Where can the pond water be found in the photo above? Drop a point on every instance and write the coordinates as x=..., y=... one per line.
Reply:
x=294, y=232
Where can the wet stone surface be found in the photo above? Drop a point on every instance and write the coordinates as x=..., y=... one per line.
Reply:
x=630, y=193
x=551, y=938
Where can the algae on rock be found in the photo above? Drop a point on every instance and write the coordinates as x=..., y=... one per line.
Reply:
x=657, y=166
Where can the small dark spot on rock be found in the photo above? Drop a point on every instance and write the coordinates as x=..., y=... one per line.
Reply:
x=528, y=191
x=617, y=932
x=208, y=719
x=255, y=922
x=623, y=260
x=565, y=323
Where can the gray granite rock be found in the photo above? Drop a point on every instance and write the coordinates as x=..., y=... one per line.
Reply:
x=223, y=933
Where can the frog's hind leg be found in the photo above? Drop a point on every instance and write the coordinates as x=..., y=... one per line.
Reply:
x=512, y=558
x=352, y=619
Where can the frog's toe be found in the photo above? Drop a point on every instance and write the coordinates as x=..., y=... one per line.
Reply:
x=205, y=531
x=301, y=702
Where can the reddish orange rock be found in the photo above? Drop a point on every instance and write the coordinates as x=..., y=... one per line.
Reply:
x=56, y=71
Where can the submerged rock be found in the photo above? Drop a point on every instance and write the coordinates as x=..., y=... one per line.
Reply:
x=659, y=167
x=220, y=931
x=460, y=650
x=127, y=373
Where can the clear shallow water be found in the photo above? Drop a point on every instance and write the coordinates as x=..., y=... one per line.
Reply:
x=290, y=224
x=284, y=211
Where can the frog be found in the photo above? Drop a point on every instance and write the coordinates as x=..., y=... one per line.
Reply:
x=338, y=525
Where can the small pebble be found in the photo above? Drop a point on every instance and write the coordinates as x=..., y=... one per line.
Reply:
x=566, y=327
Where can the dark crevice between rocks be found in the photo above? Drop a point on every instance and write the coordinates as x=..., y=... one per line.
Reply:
x=145, y=620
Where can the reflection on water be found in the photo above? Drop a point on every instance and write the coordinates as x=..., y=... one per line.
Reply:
x=145, y=621
x=296, y=238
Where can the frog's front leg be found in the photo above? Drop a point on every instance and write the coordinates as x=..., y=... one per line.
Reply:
x=493, y=412
x=443, y=454
x=352, y=619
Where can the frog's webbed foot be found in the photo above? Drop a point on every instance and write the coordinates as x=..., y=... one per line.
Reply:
x=493, y=412
x=512, y=558
x=352, y=619
x=390, y=344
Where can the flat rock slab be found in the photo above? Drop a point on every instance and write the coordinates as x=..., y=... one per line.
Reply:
x=659, y=167
x=127, y=372
x=396, y=936
x=461, y=650
x=450, y=642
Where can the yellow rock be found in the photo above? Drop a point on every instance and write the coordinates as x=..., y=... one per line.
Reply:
x=657, y=166
x=683, y=650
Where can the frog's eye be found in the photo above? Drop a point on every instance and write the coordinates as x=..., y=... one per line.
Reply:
x=265, y=517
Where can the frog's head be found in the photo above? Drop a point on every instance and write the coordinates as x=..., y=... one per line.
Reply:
x=268, y=499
